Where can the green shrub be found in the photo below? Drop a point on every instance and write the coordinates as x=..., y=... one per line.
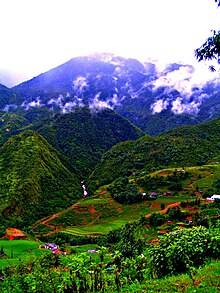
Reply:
x=156, y=219
x=181, y=249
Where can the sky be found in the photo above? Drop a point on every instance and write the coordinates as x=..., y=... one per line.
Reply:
x=37, y=35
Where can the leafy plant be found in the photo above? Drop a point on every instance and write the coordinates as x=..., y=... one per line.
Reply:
x=181, y=249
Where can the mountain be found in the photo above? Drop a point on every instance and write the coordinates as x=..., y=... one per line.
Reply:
x=10, y=124
x=7, y=96
x=83, y=136
x=33, y=181
x=153, y=99
x=187, y=146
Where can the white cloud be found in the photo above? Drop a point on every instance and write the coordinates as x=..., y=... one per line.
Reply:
x=178, y=107
x=159, y=106
x=109, y=103
x=9, y=106
x=48, y=33
x=58, y=102
x=36, y=103
x=79, y=84
x=68, y=107
x=182, y=79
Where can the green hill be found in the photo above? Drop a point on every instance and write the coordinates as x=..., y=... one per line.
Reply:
x=33, y=181
x=10, y=124
x=186, y=146
x=83, y=136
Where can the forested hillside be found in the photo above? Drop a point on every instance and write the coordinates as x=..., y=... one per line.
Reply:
x=186, y=146
x=84, y=135
x=33, y=181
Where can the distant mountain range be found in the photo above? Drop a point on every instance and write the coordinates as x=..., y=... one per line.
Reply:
x=154, y=100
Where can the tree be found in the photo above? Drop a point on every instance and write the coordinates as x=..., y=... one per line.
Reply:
x=211, y=48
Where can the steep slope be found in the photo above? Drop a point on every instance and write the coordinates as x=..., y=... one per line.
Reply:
x=33, y=181
x=7, y=97
x=10, y=124
x=83, y=136
x=187, y=146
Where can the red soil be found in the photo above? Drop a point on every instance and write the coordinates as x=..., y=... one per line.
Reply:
x=165, y=210
x=164, y=173
x=12, y=233
x=92, y=210
x=103, y=192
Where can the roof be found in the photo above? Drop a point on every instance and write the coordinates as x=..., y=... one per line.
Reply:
x=215, y=196
x=51, y=245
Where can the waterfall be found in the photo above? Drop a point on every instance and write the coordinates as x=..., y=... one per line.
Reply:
x=85, y=193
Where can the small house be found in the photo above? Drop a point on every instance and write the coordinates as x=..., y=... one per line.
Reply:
x=153, y=195
x=51, y=246
x=214, y=197
x=169, y=193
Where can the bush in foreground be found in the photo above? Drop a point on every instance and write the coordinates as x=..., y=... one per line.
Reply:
x=182, y=249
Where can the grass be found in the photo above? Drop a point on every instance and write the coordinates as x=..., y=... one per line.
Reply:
x=202, y=280
x=201, y=176
x=94, y=200
x=205, y=176
x=102, y=228
x=19, y=249
x=93, y=216
x=172, y=199
x=101, y=213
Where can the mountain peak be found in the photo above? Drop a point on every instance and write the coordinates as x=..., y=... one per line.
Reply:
x=154, y=100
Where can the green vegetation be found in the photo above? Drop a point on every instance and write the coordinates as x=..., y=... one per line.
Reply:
x=83, y=136
x=10, y=124
x=183, y=147
x=210, y=49
x=181, y=249
x=131, y=258
x=101, y=213
x=15, y=250
x=33, y=181
x=135, y=235
x=96, y=215
x=128, y=265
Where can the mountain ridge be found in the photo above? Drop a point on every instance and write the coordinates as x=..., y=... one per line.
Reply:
x=153, y=99
x=34, y=182
x=82, y=136
x=183, y=147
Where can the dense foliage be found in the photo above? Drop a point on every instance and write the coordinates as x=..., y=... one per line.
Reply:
x=33, y=181
x=181, y=249
x=186, y=146
x=124, y=192
x=83, y=136
x=210, y=49
x=126, y=270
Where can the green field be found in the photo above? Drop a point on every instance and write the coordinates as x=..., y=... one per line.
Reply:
x=19, y=249
x=101, y=213
x=95, y=229
x=102, y=223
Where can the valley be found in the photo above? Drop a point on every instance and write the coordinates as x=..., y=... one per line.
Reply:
x=101, y=160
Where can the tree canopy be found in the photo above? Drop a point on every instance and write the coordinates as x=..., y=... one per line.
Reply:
x=211, y=48
x=218, y=1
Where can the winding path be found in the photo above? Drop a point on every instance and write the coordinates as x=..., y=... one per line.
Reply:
x=166, y=209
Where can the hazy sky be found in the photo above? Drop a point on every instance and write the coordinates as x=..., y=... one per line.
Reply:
x=37, y=35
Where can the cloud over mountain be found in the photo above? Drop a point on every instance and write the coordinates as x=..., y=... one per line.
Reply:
x=137, y=91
